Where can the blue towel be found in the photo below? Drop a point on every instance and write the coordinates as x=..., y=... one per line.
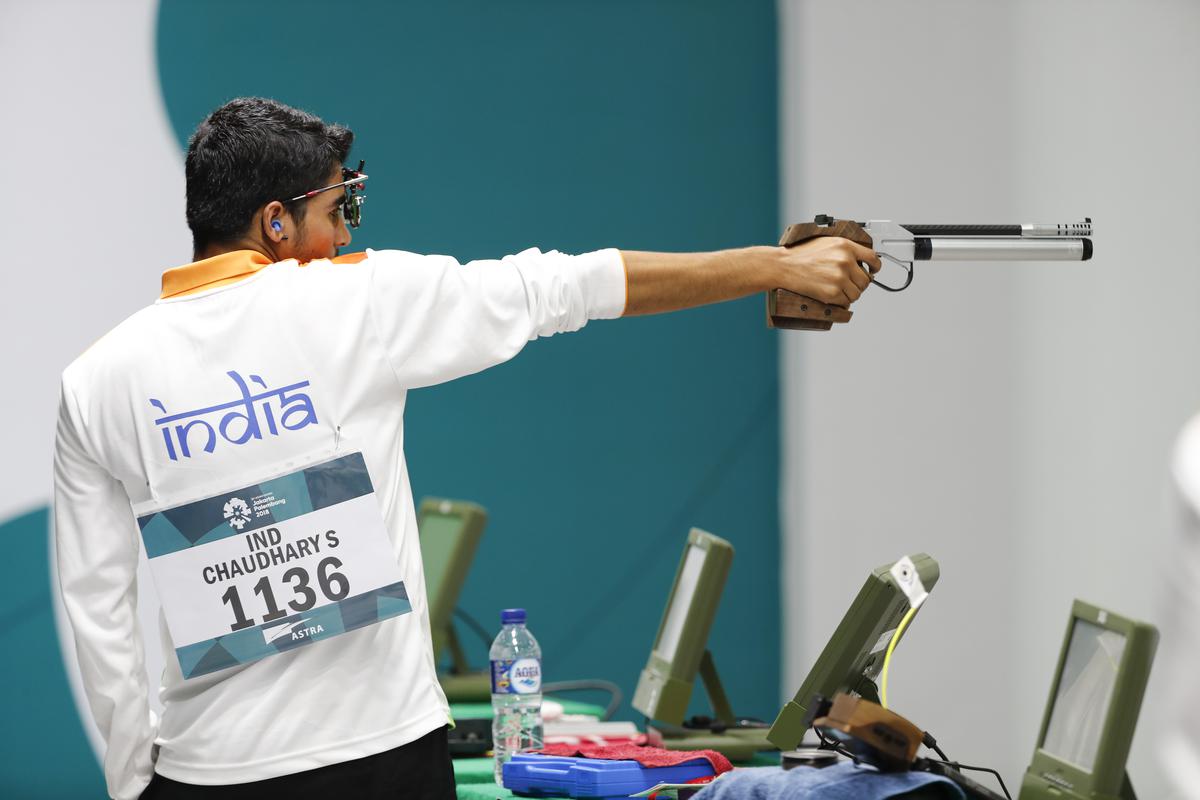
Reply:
x=846, y=781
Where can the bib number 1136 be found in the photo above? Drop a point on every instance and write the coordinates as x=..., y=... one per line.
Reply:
x=272, y=566
x=333, y=585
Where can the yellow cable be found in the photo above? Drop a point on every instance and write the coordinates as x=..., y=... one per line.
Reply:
x=887, y=657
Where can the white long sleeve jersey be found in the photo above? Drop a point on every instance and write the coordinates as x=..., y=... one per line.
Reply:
x=354, y=334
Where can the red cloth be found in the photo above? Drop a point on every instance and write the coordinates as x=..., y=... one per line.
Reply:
x=593, y=740
x=646, y=756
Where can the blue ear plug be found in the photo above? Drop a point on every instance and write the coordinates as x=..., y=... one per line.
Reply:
x=277, y=225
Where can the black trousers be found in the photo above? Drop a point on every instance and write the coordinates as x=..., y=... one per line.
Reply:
x=419, y=770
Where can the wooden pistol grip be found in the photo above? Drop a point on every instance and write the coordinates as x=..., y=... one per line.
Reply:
x=798, y=312
x=844, y=228
x=792, y=311
x=894, y=739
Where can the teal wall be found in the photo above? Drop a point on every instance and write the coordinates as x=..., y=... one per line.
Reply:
x=489, y=127
x=44, y=752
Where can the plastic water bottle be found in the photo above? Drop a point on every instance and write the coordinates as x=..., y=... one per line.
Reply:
x=516, y=690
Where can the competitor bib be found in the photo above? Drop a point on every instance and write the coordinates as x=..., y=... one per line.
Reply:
x=274, y=566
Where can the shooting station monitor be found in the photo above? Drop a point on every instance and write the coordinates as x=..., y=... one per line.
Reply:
x=1093, y=708
x=853, y=657
x=679, y=653
x=665, y=686
x=449, y=532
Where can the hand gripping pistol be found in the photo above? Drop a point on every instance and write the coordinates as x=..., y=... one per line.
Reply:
x=902, y=245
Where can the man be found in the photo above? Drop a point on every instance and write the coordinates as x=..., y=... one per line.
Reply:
x=285, y=488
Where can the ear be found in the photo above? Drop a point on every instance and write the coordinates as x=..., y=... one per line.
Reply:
x=274, y=220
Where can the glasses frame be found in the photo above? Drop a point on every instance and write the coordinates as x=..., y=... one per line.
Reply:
x=352, y=183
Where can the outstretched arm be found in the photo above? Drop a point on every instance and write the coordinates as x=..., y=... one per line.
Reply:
x=440, y=320
x=825, y=269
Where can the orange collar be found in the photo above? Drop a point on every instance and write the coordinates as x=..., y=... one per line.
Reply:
x=226, y=268
x=211, y=272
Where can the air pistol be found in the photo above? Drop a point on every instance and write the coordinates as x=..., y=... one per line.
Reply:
x=904, y=244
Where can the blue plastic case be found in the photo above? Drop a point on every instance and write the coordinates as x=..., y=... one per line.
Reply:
x=593, y=778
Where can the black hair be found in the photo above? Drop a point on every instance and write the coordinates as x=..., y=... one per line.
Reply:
x=249, y=152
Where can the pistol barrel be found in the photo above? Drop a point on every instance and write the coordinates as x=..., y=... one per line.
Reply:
x=936, y=248
x=1035, y=230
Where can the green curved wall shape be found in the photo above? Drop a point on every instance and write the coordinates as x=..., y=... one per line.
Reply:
x=490, y=127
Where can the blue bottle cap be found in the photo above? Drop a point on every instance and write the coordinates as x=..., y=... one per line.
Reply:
x=512, y=616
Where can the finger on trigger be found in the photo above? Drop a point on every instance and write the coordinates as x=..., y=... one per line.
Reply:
x=860, y=276
x=867, y=256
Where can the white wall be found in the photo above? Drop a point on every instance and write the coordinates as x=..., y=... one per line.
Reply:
x=91, y=213
x=1014, y=421
x=92, y=208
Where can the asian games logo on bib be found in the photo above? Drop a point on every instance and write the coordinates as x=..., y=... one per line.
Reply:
x=526, y=675
x=237, y=512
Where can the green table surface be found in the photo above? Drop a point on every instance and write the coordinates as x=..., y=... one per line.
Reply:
x=484, y=710
x=475, y=781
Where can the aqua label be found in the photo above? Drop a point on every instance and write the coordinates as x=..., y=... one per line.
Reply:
x=519, y=676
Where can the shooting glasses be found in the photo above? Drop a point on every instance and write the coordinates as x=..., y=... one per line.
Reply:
x=352, y=184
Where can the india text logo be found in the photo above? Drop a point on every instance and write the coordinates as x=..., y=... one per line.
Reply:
x=237, y=421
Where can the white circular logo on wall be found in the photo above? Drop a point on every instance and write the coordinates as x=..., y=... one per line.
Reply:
x=237, y=512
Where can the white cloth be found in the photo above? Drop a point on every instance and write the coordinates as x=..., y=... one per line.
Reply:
x=362, y=334
x=1179, y=654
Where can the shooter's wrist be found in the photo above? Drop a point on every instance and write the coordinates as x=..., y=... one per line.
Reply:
x=768, y=268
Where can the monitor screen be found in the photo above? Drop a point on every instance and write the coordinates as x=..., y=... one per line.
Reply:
x=439, y=541
x=665, y=685
x=449, y=533
x=681, y=602
x=1084, y=691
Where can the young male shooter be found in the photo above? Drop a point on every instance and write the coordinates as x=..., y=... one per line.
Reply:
x=247, y=427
